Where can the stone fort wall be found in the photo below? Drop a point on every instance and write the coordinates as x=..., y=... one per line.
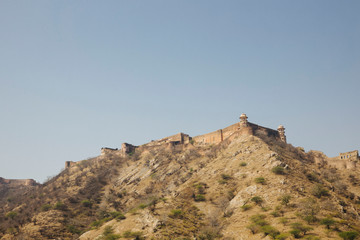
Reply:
x=221, y=134
x=18, y=182
x=347, y=160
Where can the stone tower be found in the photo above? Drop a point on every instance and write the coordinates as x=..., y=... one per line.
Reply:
x=245, y=128
x=281, y=131
x=243, y=120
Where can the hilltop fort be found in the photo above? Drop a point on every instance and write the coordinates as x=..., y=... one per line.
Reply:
x=347, y=160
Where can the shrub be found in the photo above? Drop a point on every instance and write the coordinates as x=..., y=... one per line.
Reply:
x=142, y=206
x=312, y=177
x=254, y=228
x=260, y=180
x=351, y=235
x=275, y=214
x=285, y=199
x=246, y=207
x=224, y=178
x=282, y=236
x=257, y=200
x=60, y=206
x=117, y=215
x=199, y=198
x=209, y=233
x=135, y=235
x=11, y=214
x=176, y=213
x=72, y=229
x=327, y=222
x=296, y=233
x=259, y=219
x=278, y=170
x=270, y=230
x=46, y=207
x=109, y=235
x=284, y=220
x=318, y=191
x=300, y=228
x=243, y=164
x=86, y=203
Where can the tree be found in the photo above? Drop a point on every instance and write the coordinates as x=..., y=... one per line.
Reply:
x=351, y=235
x=328, y=222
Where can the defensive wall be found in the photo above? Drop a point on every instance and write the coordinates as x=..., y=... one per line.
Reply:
x=247, y=128
x=18, y=182
x=347, y=160
x=240, y=128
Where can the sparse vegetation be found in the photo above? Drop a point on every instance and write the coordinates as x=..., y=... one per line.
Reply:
x=11, y=214
x=285, y=199
x=327, y=222
x=278, y=170
x=350, y=235
x=257, y=200
x=260, y=180
x=246, y=207
x=318, y=191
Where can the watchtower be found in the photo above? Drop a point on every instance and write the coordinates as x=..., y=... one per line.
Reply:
x=243, y=120
x=281, y=131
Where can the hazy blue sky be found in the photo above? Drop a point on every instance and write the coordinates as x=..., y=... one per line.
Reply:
x=76, y=76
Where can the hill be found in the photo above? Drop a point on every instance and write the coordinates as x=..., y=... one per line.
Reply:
x=245, y=186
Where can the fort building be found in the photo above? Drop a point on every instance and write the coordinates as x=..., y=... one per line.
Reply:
x=243, y=127
x=18, y=182
x=347, y=160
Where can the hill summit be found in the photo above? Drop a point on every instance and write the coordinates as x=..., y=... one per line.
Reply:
x=241, y=182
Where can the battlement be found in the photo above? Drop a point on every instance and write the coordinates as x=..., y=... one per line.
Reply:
x=18, y=182
x=347, y=160
x=240, y=128
x=352, y=155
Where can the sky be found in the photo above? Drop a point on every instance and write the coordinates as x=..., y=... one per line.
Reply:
x=76, y=76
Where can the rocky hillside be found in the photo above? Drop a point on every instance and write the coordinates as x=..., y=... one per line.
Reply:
x=247, y=187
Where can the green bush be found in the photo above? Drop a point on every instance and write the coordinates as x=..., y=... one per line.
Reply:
x=117, y=215
x=257, y=200
x=278, y=170
x=243, y=164
x=176, y=213
x=72, y=229
x=275, y=213
x=300, y=228
x=270, y=230
x=285, y=199
x=142, y=206
x=11, y=214
x=259, y=219
x=296, y=233
x=86, y=203
x=46, y=207
x=199, y=198
x=284, y=220
x=135, y=235
x=246, y=207
x=327, y=222
x=108, y=234
x=318, y=191
x=351, y=235
x=60, y=206
x=282, y=236
x=260, y=180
